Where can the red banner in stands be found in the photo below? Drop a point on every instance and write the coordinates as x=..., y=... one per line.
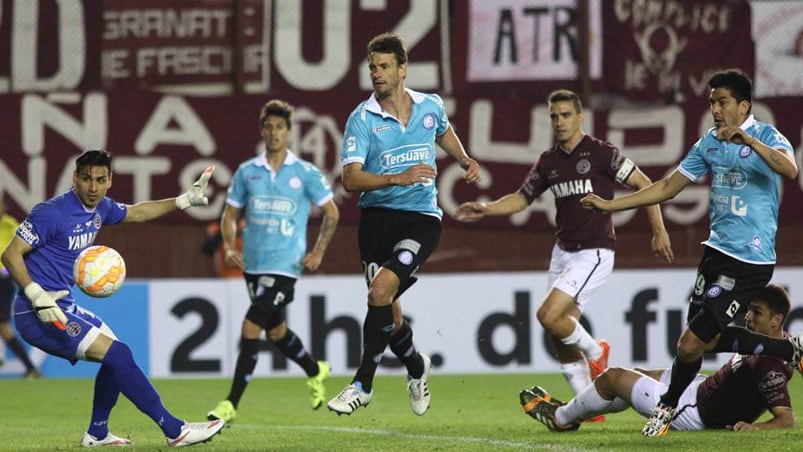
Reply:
x=668, y=48
x=162, y=142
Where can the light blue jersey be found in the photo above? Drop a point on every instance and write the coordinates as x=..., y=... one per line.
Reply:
x=383, y=145
x=277, y=206
x=745, y=192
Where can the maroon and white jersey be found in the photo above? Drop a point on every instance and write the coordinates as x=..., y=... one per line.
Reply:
x=594, y=166
x=743, y=389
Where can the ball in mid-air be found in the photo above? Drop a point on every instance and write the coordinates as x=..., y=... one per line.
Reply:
x=99, y=271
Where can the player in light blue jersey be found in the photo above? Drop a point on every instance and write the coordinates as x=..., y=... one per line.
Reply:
x=40, y=259
x=746, y=159
x=275, y=190
x=389, y=156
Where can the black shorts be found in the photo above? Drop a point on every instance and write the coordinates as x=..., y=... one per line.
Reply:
x=723, y=289
x=7, y=291
x=398, y=240
x=270, y=294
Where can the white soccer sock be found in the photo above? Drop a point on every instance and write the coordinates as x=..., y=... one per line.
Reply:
x=577, y=375
x=582, y=340
x=586, y=404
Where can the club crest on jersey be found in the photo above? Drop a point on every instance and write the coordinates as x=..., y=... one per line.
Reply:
x=745, y=151
x=583, y=166
x=429, y=121
x=294, y=183
x=98, y=222
x=73, y=329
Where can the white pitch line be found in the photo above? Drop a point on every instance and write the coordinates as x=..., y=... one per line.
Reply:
x=384, y=432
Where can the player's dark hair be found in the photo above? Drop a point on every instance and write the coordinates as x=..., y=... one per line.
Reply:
x=776, y=299
x=564, y=95
x=93, y=157
x=389, y=43
x=278, y=108
x=739, y=84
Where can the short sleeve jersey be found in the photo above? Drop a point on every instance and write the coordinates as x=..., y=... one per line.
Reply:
x=383, y=145
x=743, y=389
x=745, y=192
x=58, y=230
x=594, y=166
x=276, y=206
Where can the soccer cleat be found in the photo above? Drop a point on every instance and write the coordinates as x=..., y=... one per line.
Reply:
x=660, y=420
x=541, y=406
x=316, y=387
x=110, y=440
x=349, y=399
x=196, y=432
x=797, y=347
x=224, y=411
x=597, y=366
x=418, y=388
x=33, y=374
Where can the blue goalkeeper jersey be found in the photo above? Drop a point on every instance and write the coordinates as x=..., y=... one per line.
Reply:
x=745, y=192
x=58, y=230
x=383, y=145
x=277, y=206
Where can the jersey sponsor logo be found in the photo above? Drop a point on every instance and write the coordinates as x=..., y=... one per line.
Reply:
x=380, y=128
x=583, y=166
x=351, y=144
x=25, y=232
x=273, y=205
x=711, y=150
x=738, y=207
x=429, y=121
x=726, y=282
x=782, y=139
x=730, y=179
x=745, y=151
x=405, y=156
x=773, y=381
x=755, y=242
x=572, y=187
x=81, y=241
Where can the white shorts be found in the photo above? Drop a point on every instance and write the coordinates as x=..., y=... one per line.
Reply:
x=646, y=393
x=580, y=273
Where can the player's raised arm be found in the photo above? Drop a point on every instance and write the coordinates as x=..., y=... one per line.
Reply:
x=194, y=196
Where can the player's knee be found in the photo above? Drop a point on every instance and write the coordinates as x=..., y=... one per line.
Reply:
x=381, y=294
x=689, y=351
x=547, y=318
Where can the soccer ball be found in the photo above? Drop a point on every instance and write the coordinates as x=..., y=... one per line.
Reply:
x=99, y=271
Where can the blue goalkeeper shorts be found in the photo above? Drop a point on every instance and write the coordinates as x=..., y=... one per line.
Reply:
x=83, y=328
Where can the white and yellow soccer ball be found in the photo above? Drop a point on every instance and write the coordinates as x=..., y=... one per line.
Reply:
x=99, y=271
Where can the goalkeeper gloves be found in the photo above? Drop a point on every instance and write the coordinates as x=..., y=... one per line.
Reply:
x=195, y=195
x=44, y=303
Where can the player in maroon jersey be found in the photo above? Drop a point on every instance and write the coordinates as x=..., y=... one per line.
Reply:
x=582, y=258
x=733, y=397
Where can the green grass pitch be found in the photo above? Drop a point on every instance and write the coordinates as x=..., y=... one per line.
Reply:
x=468, y=413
